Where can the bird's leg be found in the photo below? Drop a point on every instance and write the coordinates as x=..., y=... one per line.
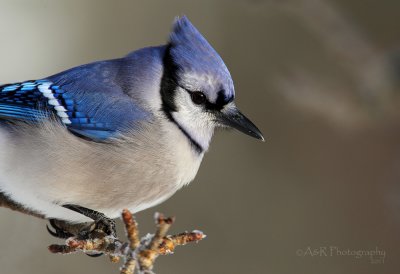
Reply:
x=65, y=230
x=102, y=226
x=101, y=223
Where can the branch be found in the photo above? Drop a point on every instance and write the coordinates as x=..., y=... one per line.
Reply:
x=138, y=253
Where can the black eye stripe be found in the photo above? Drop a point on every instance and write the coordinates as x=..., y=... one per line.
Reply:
x=221, y=101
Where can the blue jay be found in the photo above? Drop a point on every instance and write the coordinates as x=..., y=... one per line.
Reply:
x=115, y=134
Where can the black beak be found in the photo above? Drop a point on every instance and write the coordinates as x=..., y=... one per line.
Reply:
x=232, y=117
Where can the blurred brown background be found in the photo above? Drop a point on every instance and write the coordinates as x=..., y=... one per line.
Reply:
x=318, y=77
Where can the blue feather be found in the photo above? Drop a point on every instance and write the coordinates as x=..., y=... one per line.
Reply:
x=84, y=100
x=22, y=101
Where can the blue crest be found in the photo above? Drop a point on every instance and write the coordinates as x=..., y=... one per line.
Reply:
x=191, y=52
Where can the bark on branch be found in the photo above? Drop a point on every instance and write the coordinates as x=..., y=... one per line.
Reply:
x=139, y=254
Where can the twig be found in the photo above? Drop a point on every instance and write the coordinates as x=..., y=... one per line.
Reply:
x=139, y=254
x=132, y=233
x=150, y=251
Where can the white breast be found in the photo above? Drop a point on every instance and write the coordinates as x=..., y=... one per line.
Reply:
x=47, y=167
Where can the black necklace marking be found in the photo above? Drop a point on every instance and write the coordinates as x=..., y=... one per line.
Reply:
x=168, y=87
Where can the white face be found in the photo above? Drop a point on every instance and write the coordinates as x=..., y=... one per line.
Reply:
x=197, y=105
x=193, y=118
x=199, y=99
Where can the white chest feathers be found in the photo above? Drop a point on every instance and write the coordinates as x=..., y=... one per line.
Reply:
x=63, y=169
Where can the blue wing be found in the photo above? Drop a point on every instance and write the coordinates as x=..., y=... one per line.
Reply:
x=22, y=101
x=89, y=100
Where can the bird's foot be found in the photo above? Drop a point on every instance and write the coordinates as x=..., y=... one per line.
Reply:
x=102, y=226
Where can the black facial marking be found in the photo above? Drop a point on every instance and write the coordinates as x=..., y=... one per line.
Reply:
x=168, y=86
x=221, y=101
x=169, y=82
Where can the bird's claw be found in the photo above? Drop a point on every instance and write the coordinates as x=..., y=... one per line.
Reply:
x=102, y=226
x=101, y=222
x=58, y=231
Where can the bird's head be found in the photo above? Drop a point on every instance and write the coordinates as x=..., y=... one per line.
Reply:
x=197, y=89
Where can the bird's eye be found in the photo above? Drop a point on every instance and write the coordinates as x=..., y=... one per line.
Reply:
x=198, y=97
